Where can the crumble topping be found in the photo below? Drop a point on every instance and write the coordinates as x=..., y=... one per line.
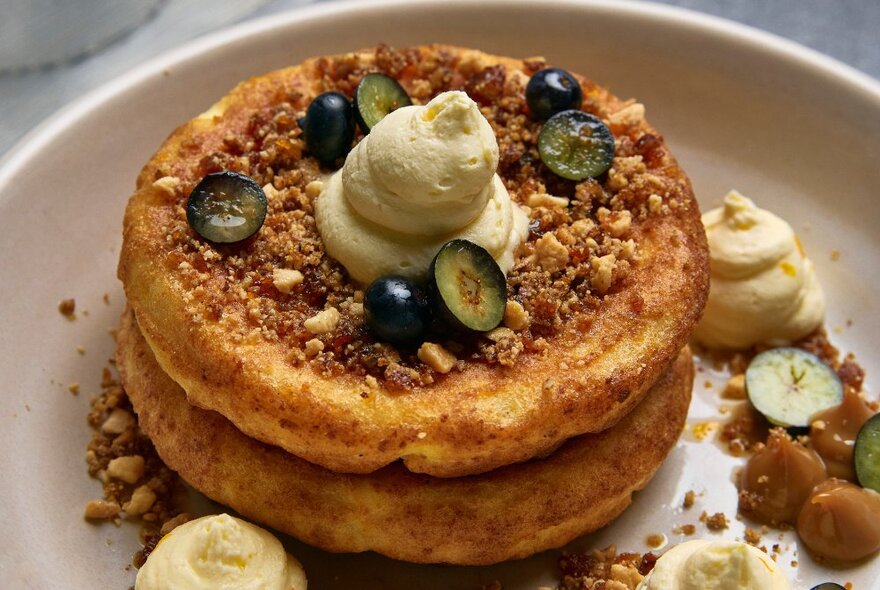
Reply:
x=604, y=570
x=580, y=246
x=67, y=308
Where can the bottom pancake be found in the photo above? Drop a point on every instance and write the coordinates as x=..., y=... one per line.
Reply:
x=507, y=513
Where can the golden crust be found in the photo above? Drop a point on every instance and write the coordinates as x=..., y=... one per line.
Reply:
x=508, y=513
x=593, y=370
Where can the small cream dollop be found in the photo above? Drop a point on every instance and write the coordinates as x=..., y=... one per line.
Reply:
x=763, y=289
x=714, y=565
x=423, y=176
x=220, y=552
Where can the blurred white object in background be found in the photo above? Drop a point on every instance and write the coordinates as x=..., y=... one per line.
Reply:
x=35, y=33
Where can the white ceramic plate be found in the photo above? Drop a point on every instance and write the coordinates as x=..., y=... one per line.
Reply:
x=798, y=132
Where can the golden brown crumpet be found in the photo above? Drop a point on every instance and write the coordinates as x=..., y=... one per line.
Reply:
x=613, y=277
x=507, y=513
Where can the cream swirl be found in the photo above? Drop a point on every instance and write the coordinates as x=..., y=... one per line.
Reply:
x=423, y=176
x=220, y=553
x=763, y=289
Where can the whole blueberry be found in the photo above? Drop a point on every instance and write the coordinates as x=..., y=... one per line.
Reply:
x=329, y=126
x=396, y=310
x=551, y=91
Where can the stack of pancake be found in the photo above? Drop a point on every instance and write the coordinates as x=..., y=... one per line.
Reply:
x=351, y=445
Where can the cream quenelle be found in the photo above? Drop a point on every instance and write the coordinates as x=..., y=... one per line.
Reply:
x=763, y=289
x=423, y=176
x=714, y=565
x=220, y=552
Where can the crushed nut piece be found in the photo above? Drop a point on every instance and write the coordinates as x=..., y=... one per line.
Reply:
x=545, y=200
x=101, y=510
x=515, y=316
x=118, y=421
x=323, y=322
x=314, y=347
x=142, y=499
x=286, y=279
x=129, y=469
x=735, y=388
x=603, y=272
x=631, y=114
x=73, y=388
x=689, y=498
x=175, y=522
x=314, y=188
x=551, y=254
x=169, y=184
x=715, y=522
x=436, y=357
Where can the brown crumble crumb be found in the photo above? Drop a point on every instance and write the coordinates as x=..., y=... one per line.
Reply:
x=835, y=255
x=794, y=563
x=73, y=388
x=689, y=498
x=67, y=307
x=707, y=384
x=752, y=537
x=715, y=522
x=106, y=298
x=655, y=540
x=735, y=388
x=80, y=349
x=685, y=529
x=604, y=570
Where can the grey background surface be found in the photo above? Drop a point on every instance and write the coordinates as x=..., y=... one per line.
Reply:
x=843, y=29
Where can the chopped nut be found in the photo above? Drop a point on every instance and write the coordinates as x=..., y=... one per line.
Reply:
x=129, y=469
x=499, y=334
x=286, y=279
x=603, y=271
x=735, y=388
x=583, y=227
x=118, y=421
x=73, y=388
x=515, y=316
x=314, y=347
x=545, y=200
x=101, y=510
x=356, y=309
x=436, y=357
x=655, y=203
x=323, y=322
x=627, y=576
x=616, y=223
x=372, y=382
x=551, y=254
x=142, y=499
x=715, y=522
x=632, y=114
x=169, y=184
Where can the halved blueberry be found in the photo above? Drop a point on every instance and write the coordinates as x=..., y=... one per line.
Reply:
x=576, y=145
x=867, y=454
x=396, y=310
x=552, y=91
x=375, y=96
x=226, y=207
x=470, y=289
x=329, y=126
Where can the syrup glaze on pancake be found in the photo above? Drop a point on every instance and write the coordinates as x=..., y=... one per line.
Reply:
x=507, y=513
x=608, y=313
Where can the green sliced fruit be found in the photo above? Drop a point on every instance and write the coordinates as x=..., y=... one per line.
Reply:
x=470, y=289
x=789, y=385
x=375, y=96
x=576, y=145
x=867, y=454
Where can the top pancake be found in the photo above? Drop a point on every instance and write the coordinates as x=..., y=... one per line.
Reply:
x=606, y=319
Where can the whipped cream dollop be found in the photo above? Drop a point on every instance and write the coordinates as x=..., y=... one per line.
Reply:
x=714, y=565
x=763, y=289
x=220, y=552
x=423, y=176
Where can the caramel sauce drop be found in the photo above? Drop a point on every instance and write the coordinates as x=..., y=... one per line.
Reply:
x=840, y=521
x=833, y=434
x=778, y=478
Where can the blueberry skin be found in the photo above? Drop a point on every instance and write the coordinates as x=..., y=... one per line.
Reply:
x=396, y=310
x=551, y=91
x=329, y=126
x=828, y=586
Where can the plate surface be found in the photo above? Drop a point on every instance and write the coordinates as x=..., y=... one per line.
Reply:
x=796, y=131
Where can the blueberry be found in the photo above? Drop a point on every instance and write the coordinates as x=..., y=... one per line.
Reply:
x=396, y=310
x=828, y=586
x=576, y=145
x=470, y=291
x=551, y=91
x=375, y=96
x=226, y=207
x=329, y=126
